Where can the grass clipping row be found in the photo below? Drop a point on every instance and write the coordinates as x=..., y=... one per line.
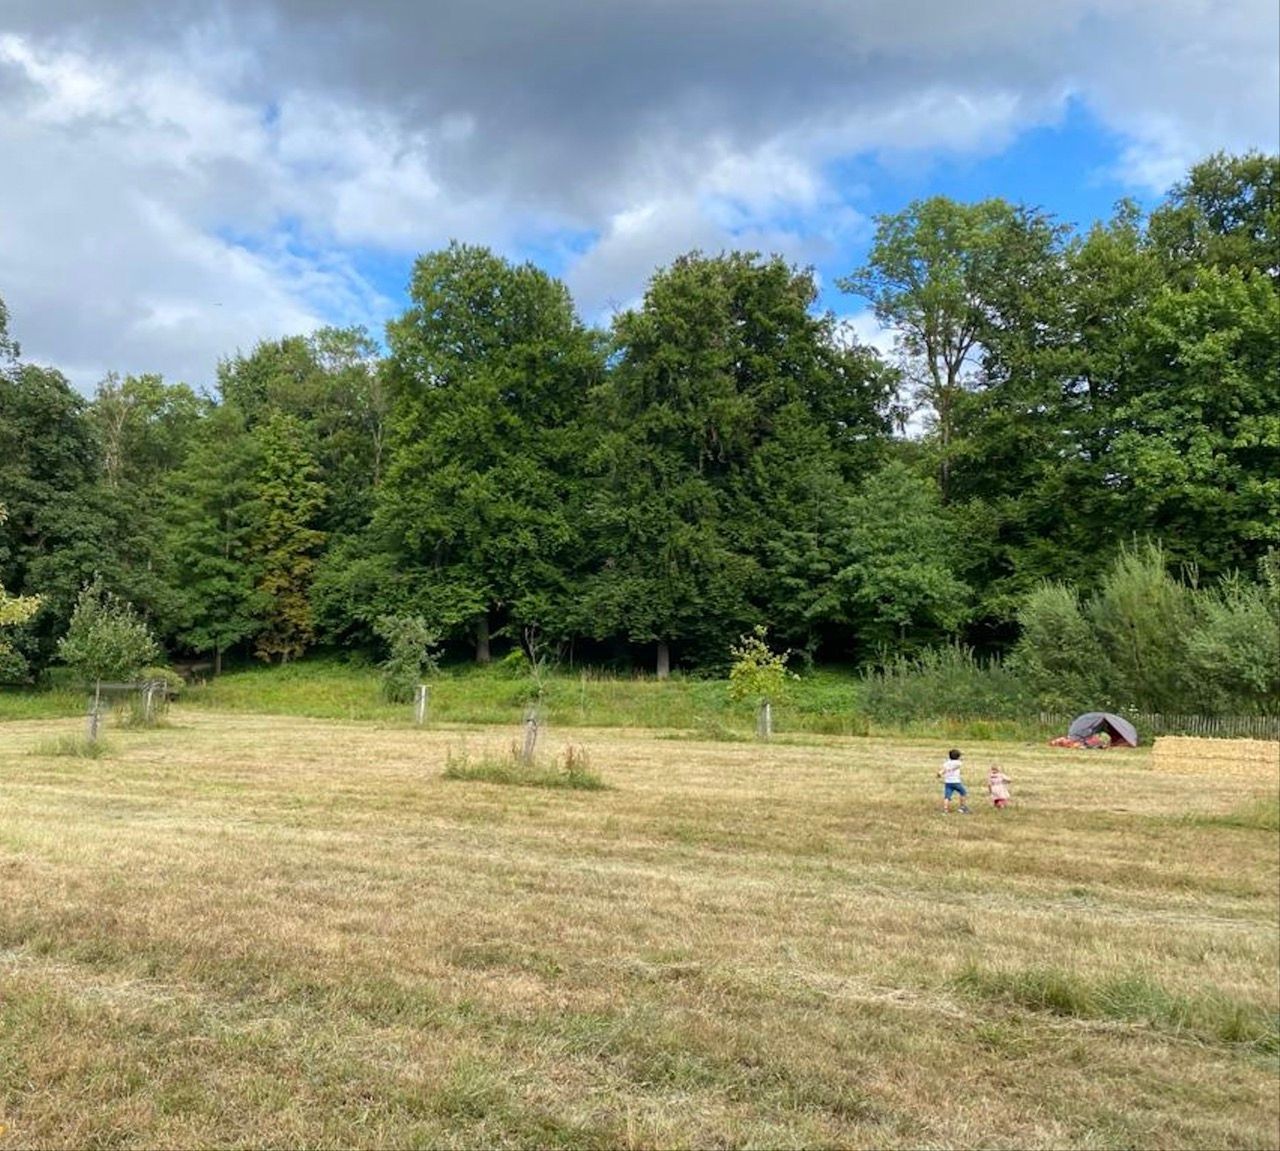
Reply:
x=1184, y=754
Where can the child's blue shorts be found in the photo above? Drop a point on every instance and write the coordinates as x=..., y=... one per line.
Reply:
x=950, y=789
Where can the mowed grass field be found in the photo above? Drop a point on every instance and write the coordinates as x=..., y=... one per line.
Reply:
x=245, y=930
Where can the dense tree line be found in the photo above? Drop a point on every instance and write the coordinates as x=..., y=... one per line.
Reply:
x=723, y=456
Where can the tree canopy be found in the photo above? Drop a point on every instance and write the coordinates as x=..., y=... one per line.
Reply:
x=1096, y=457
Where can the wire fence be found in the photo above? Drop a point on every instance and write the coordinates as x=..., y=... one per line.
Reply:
x=1208, y=726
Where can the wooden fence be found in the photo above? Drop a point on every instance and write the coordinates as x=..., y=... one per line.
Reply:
x=1210, y=726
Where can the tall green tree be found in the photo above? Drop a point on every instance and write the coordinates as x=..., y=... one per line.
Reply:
x=490, y=370
x=58, y=531
x=1198, y=441
x=9, y=349
x=284, y=538
x=211, y=518
x=793, y=503
x=944, y=276
x=721, y=374
x=333, y=383
x=144, y=427
x=897, y=584
x=14, y=609
x=1033, y=482
x=1225, y=215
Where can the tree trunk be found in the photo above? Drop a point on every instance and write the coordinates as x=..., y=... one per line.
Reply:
x=217, y=661
x=482, y=639
x=664, y=659
x=946, y=418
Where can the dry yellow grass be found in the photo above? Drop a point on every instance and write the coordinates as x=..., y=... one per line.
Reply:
x=1258, y=758
x=273, y=932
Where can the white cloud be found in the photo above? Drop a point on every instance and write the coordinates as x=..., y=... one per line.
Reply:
x=869, y=331
x=174, y=189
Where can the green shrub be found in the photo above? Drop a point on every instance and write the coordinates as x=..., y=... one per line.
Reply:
x=946, y=681
x=173, y=682
x=1142, y=617
x=1057, y=655
x=1233, y=649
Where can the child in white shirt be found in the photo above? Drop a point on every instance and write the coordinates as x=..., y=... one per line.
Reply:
x=949, y=773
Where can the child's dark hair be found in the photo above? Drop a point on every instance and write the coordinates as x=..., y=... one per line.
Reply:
x=954, y=753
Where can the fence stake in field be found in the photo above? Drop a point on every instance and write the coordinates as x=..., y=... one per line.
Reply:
x=764, y=720
x=530, y=735
x=420, y=705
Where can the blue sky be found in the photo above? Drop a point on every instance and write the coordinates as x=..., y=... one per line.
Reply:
x=1071, y=169
x=183, y=181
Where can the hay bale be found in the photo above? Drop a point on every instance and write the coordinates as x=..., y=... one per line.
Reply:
x=1184, y=754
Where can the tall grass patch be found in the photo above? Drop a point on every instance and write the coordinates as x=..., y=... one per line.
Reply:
x=48, y=703
x=1262, y=814
x=1211, y=1017
x=571, y=770
x=73, y=745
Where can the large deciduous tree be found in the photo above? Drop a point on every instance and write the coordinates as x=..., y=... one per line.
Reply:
x=490, y=370
x=14, y=609
x=331, y=382
x=144, y=428
x=944, y=276
x=58, y=531
x=284, y=538
x=1198, y=440
x=211, y=516
x=1224, y=215
x=721, y=372
x=897, y=584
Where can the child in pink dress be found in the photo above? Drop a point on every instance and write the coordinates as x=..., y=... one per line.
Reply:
x=998, y=786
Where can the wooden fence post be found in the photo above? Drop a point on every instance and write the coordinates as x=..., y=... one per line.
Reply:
x=530, y=735
x=420, y=705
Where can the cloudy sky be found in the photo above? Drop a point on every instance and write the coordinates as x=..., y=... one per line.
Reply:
x=180, y=180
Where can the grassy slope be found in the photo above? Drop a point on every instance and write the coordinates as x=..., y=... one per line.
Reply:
x=254, y=930
x=823, y=702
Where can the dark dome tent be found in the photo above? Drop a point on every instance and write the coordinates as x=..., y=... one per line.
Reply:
x=1092, y=722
